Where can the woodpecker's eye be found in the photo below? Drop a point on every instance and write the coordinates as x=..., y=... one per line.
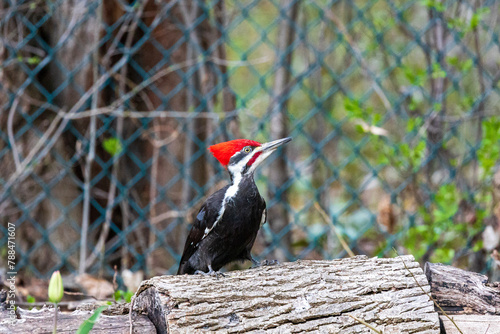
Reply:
x=247, y=149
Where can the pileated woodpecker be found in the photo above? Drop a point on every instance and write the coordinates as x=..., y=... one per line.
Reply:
x=227, y=224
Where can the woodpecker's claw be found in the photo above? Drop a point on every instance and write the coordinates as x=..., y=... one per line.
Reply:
x=211, y=272
x=257, y=264
x=270, y=263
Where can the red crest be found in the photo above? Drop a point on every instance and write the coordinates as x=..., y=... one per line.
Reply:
x=224, y=151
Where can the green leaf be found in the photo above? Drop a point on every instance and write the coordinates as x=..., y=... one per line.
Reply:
x=359, y=128
x=88, y=324
x=478, y=16
x=477, y=246
x=453, y=61
x=443, y=255
x=459, y=24
x=112, y=146
x=34, y=60
x=128, y=296
x=416, y=76
x=123, y=295
x=353, y=108
x=447, y=201
x=437, y=5
x=489, y=150
x=467, y=65
x=437, y=71
x=418, y=154
x=118, y=295
x=30, y=299
x=462, y=66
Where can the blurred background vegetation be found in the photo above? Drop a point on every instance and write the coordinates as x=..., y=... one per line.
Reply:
x=108, y=107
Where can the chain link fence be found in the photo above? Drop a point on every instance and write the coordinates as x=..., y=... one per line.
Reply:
x=108, y=108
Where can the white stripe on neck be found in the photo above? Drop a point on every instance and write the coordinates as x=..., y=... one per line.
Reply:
x=236, y=172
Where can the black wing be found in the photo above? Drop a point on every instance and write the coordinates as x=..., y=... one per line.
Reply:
x=204, y=221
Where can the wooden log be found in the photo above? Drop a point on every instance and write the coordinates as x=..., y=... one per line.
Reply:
x=297, y=297
x=472, y=323
x=41, y=321
x=457, y=290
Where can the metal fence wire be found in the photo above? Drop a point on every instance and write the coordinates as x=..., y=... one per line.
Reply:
x=108, y=108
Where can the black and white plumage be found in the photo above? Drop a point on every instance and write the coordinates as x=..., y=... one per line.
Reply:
x=228, y=222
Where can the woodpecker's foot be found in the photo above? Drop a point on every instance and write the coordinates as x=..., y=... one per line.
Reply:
x=211, y=272
x=257, y=264
x=270, y=263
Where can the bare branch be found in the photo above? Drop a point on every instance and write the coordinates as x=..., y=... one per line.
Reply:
x=362, y=62
x=10, y=133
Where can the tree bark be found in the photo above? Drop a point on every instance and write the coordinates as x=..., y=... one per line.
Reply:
x=458, y=290
x=41, y=321
x=302, y=296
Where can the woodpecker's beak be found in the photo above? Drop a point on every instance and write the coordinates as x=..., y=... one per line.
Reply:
x=263, y=151
x=273, y=145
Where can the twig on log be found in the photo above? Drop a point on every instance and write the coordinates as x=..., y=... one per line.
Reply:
x=337, y=233
x=365, y=323
x=433, y=300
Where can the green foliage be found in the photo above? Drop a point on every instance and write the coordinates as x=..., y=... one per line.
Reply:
x=439, y=232
x=34, y=60
x=411, y=156
x=30, y=299
x=414, y=123
x=112, y=145
x=462, y=66
x=458, y=24
x=489, y=150
x=437, y=71
x=443, y=255
x=354, y=108
x=416, y=76
x=439, y=229
x=434, y=4
x=446, y=203
x=406, y=157
x=88, y=324
x=478, y=16
x=123, y=295
x=477, y=246
x=463, y=26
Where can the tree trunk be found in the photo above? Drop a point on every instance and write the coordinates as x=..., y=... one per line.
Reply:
x=27, y=94
x=277, y=213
